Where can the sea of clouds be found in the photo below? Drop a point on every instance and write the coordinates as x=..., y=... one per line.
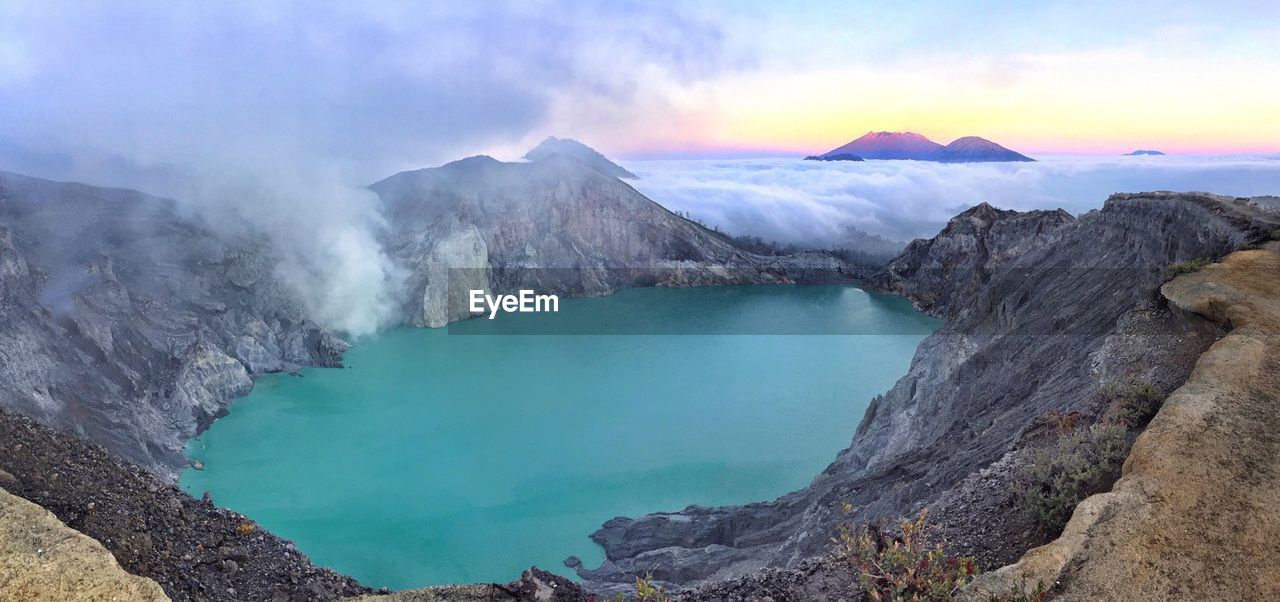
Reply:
x=814, y=203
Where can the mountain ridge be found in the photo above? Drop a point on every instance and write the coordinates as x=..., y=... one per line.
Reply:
x=559, y=226
x=912, y=146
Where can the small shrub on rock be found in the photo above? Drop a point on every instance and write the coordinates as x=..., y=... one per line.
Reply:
x=902, y=566
x=646, y=591
x=1138, y=403
x=1183, y=267
x=1051, y=480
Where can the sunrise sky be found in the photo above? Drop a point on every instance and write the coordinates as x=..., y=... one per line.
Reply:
x=140, y=90
x=1043, y=77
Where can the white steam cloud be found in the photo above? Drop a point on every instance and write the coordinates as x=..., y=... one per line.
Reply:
x=814, y=203
x=323, y=231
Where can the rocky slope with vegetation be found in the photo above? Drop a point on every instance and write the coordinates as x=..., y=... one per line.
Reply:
x=1194, y=516
x=1047, y=318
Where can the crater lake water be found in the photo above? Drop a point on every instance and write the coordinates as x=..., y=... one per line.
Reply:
x=434, y=457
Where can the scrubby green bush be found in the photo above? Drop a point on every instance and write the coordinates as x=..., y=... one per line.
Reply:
x=1138, y=403
x=646, y=591
x=1183, y=267
x=1050, y=481
x=902, y=566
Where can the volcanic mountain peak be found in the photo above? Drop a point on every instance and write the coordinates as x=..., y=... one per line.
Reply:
x=572, y=148
x=889, y=145
x=972, y=149
x=882, y=135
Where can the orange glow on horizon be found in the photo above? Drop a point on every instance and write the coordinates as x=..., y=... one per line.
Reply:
x=1086, y=103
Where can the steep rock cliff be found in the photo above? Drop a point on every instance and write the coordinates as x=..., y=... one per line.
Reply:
x=130, y=325
x=941, y=274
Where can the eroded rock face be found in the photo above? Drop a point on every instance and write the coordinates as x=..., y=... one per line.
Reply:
x=1042, y=310
x=1194, y=516
x=453, y=265
x=942, y=273
x=556, y=226
x=132, y=326
x=43, y=559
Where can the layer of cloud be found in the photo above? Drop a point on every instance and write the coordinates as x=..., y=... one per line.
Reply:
x=814, y=203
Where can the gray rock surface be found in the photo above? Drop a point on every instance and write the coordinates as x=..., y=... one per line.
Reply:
x=129, y=324
x=534, y=585
x=942, y=274
x=1041, y=309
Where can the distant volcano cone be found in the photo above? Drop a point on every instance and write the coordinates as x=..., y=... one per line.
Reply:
x=889, y=145
x=972, y=149
x=913, y=146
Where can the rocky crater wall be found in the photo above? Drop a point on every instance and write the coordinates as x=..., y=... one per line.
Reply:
x=1043, y=310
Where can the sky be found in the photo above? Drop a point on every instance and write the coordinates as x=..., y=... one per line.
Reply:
x=140, y=90
x=1042, y=77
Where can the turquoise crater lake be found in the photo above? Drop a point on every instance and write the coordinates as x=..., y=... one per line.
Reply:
x=436, y=457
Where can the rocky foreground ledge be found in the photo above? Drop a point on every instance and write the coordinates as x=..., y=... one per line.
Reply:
x=1195, y=516
x=43, y=559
